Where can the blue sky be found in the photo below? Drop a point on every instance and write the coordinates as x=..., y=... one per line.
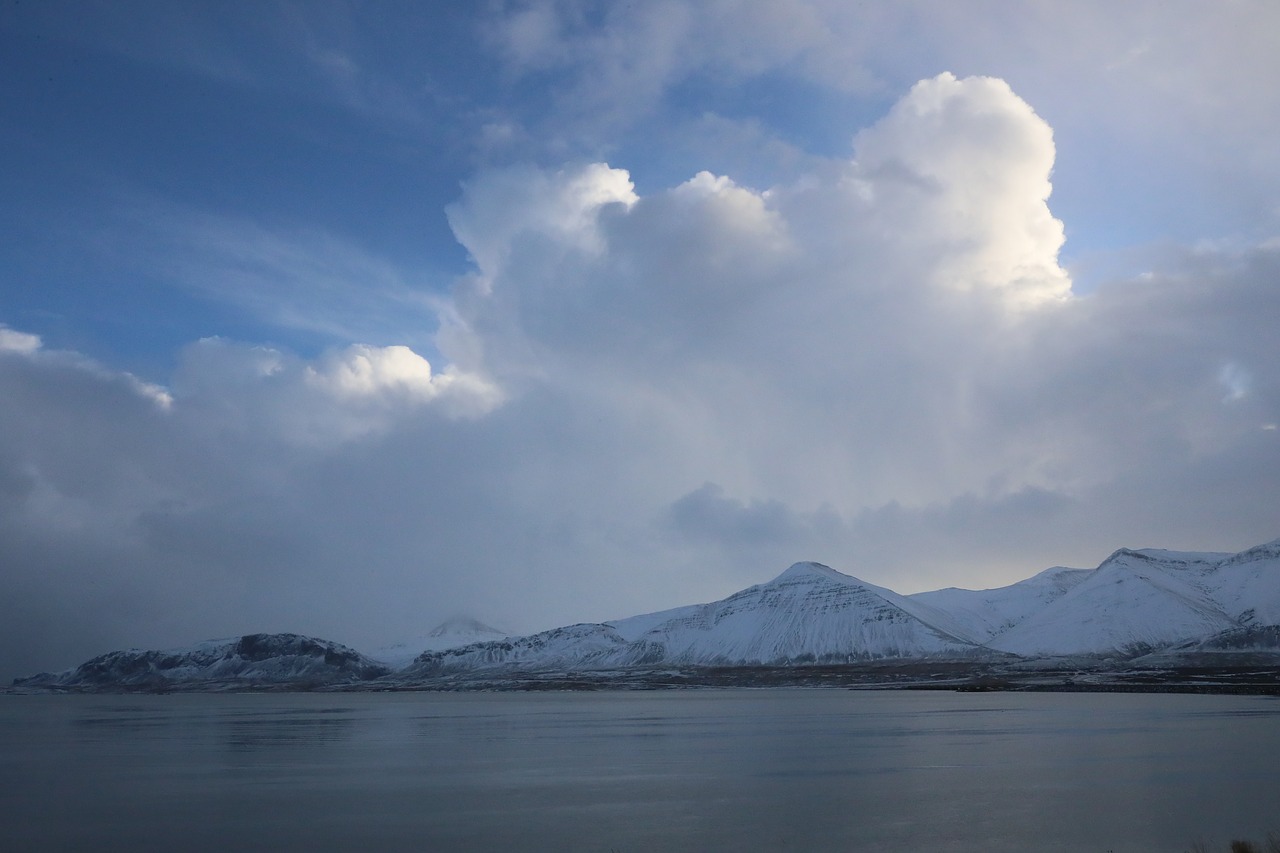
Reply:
x=343, y=318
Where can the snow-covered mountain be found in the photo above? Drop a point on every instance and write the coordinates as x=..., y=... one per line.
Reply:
x=1133, y=603
x=810, y=613
x=252, y=660
x=1157, y=607
x=585, y=646
x=453, y=632
x=1247, y=585
x=1136, y=601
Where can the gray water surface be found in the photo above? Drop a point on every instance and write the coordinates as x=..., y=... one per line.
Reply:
x=637, y=771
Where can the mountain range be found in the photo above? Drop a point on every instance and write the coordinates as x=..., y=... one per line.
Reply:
x=1137, y=605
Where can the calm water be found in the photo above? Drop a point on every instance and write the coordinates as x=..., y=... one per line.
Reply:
x=689, y=770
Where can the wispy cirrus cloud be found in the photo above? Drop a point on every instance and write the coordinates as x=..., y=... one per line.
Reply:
x=290, y=277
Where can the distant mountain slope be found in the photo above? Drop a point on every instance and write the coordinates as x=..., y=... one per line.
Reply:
x=586, y=646
x=453, y=632
x=634, y=627
x=252, y=660
x=1247, y=585
x=988, y=613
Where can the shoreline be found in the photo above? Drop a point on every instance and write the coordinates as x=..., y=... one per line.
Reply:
x=961, y=677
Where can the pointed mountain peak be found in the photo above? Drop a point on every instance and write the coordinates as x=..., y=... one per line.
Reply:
x=1121, y=553
x=463, y=625
x=809, y=571
x=1127, y=558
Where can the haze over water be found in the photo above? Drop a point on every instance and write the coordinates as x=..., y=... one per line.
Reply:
x=632, y=771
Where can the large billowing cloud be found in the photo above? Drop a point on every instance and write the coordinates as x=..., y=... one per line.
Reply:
x=894, y=330
x=657, y=398
x=855, y=316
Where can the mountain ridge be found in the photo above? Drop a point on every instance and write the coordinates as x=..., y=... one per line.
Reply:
x=1137, y=604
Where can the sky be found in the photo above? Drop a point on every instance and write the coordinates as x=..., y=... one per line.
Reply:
x=344, y=319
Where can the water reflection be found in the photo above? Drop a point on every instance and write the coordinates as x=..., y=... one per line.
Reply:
x=118, y=723
x=288, y=729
